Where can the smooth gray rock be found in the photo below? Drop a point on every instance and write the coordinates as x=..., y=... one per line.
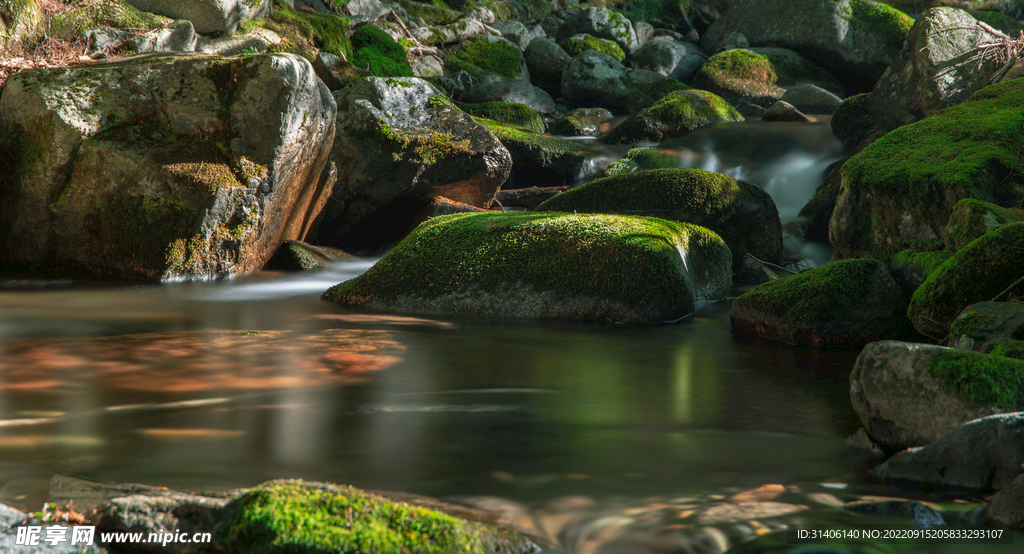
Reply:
x=672, y=58
x=516, y=91
x=178, y=37
x=515, y=32
x=985, y=454
x=370, y=9
x=546, y=61
x=601, y=23
x=583, y=122
x=208, y=16
x=811, y=99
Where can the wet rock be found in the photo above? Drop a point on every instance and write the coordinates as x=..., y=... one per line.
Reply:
x=852, y=121
x=740, y=212
x=169, y=512
x=811, y=99
x=937, y=67
x=843, y=303
x=927, y=161
x=985, y=455
x=784, y=111
x=208, y=16
x=983, y=325
x=601, y=23
x=538, y=265
x=672, y=58
x=402, y=139
x=904, y=394
x=583, y=122
x=179, y=37
x=1007, y=508
x=546, y=61
x=856, y=40
x=596, y=79
x=540, y=160
x=165, y=167
x=516, y=91
x=977, y=273
x=675, y=115
x=970, y=219
x=297, y=255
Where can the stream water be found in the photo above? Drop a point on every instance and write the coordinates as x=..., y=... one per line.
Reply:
x=226, y=384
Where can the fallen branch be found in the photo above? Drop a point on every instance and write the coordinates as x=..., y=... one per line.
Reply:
x=1008, y=289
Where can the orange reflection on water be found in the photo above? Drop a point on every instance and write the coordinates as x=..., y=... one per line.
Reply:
x=199, y=361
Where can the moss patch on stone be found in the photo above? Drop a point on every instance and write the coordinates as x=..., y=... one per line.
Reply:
x=1009, y=348
x=72, y=23
x=376, y=50
x=972, y=324
x=972, y=218
x=515, y=115
x=479, y=57
x=550, y=146
x=642, y=158
x=551, y=265
x=738, y=73
x=878, y=19
x=676, y=114
x=927, y=261
x=577, y=44
x=983, y=379
x=292, y=517
x=301, y=31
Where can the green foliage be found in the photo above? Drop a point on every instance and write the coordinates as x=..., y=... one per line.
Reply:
x=516, y=115
x=375, y=49
x=985, y=380
x=479, y=57
x=578, y=44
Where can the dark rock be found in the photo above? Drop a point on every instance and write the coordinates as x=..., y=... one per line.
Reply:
x=912, y=268
x=540, y=160
x=297, y=255
x=583, y=122
x=784, y=111
x=970, y=219
x=853, y=123
x=514, y=91
x=811, y=99
x=528, y=198
x=1007, y=508
x=983, y=325
x=546, y=61
x=170, y=512
x=670, y=57
x=864, y=449
x=596, y=79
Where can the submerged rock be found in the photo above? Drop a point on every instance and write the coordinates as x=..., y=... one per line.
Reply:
x=675, y=115
x=848, y=302
x=741, y=213
x=164, y=167
x=546, y=265
x=909, y=394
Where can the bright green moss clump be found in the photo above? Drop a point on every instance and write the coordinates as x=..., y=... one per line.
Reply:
x=642, y=158
x=302, y=30
x=985, y=380
x=292, y=518
x=578, y=44
x=545, y=265
x=676, y=114
x=375, y=49
x=738, y=72
x=516, y=115
x=887, y=22
x=972, y=218
x=548, y=146
x=479, y=57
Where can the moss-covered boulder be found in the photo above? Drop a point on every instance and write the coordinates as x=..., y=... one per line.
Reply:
x=208, y=16
x=938, y=67
x=740, y=212
x=966, y=151
x=759, y=75
x=909, y=394
x=284, y=517
x=675, y=115
x=912, y=267
x=546, y=265
x=539, y=160
x=577, y=44
x=401, y=139
x=515, y=115
x=855, y=39
x=487, y=59
x=852, y=122
x=979, y=272
x=596, y=79
x=972, y=218
x=375, y=50
x=601, y=23
x=164, y=167
x=844, y=303
x=985, y=325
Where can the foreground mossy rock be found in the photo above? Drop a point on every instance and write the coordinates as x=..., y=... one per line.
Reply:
x=285, y=517
x=985, y=325
x=546, y=265
x=854, y=39
x=909, y=394
x=675, y=115
x=742, y=213
x=967, y=151
x=208, y=16
x=596, y=79
x=164, y=167
x=970, y=219
x=977, y=273
x=939, y=66
x=539, y=160
x=401, y=138
x=983, y=455
x=844, y=303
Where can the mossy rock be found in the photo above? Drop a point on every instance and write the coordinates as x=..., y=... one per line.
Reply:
x=1009, y=348
x=82, y=16
x=675, y=115
x=972, y=218
x=984, y=380
x=844, y=303
x=739, y=74
x=538, y=159
x=978, y=272
x=742, y=213
x=642, y=158
x=515, y=115
x=305, y=33
x=487, y=59
x=912, y=267
x=970, y=150
x=546, y=265
x=670, y=13
x=981, y=326
x=20, y=22
x=375, y=50
x=577, y=44
x=852, y=121
x=291, y=517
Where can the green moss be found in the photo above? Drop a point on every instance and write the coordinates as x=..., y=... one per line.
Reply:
x=299, y=519
x=738, y=73
x=92, y=14
x=972, y=218
x=578, y=44
x=516, y=115
x=676, y=114
x=584, y=266
x=434, y=147
x=140, y=229
x=1009, y=348
x=303, y=31
x=883, y=21
x=479, y=57
x=972, y=324
x=985, y=380
x=549, y=146
x=435, y=12
x=376, y=50
x=927, y=261
x=642, y=158
x=646, y=94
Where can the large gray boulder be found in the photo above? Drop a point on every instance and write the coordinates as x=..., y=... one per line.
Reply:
x=673, y=58
x=985, y=454
x=208, y=16
x=854, y=39
x=164, y=167
x=938, y=66
x=601, y=23
x=899, y=400
x=401, y=138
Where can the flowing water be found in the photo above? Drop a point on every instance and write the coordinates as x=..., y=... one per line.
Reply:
x=226, y=384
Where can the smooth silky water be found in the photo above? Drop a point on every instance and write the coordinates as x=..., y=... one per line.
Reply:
x=217, y=385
